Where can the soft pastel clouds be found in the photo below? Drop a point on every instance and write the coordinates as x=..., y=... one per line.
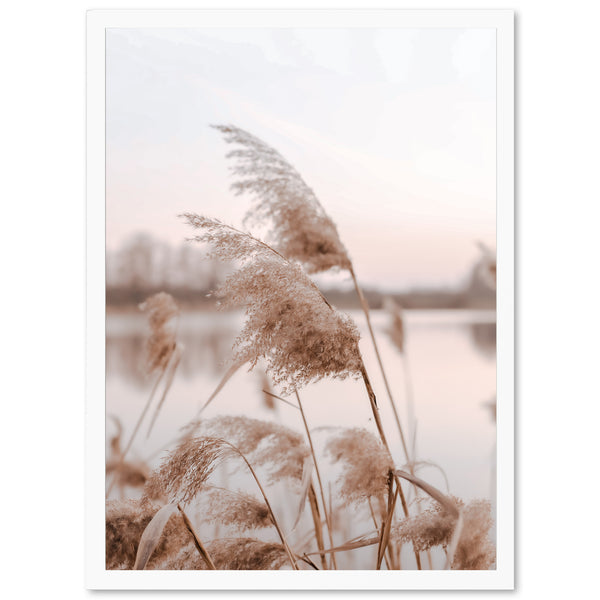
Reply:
x=394, y=129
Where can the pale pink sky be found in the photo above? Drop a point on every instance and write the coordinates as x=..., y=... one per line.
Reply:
x=394, y=129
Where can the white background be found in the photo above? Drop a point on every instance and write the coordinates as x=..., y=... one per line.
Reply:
x=43, y=191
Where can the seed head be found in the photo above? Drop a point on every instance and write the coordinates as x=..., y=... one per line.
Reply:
x=366, y=464
x=184, y=472
x=434, y=527
x=235, y=554
x=301, y=230
x=161, y=309
x=288, y=321
x=240, y=510
x=264, y=443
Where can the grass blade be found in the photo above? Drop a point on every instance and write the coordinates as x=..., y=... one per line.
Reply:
x=198, y=543
x=386, y=526
x=228, y=375
x=316, y=515
x=446, y=502
x=306, y=482
x=173, y=364
x=454, y=541
x=152, y=535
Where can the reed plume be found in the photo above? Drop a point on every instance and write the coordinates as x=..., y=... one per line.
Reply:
x=397, y=334
x=366, y=464
x=435, y=526
x=234, y=554
x=486, y=268
x=288, y=321
x=183, y=474
x=301, y=229
x=162, y=356
x=237, y=509
x=161, y=309
x=267, y=393
x=126, y=473
x=278, y=449
x=396, y=330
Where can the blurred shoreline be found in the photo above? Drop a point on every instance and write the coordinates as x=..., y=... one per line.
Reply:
x=472, y=296
x=144, y=266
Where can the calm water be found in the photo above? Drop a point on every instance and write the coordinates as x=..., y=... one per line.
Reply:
x=451, y=362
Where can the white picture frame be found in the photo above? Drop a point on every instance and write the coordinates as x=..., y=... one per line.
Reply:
x=97, y=577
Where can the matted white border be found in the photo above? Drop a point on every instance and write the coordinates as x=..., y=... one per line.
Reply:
x=97, y=577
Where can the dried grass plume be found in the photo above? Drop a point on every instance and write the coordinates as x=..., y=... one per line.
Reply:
x=288, y=321
x=434, y=527
x=366, y=464
x=301, y=230
x=161, y=309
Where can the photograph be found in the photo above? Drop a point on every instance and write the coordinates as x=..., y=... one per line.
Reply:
x=299, y=364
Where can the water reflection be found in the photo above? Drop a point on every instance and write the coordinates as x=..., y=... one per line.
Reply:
x=208, y=341
x=206, y=347
x=452, y=367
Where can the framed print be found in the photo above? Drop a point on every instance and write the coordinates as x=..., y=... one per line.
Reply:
x=300, y=299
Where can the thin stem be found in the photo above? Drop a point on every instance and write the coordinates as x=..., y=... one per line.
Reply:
x=316, y=515
x=279, y=398
x=199, y=545
x=373, y=402
x=386, y=523
x=190, y=217
x=135, y=430
x=174, y=360
x=365, y=308
x=375, y=410
x=314, y=457
x=264, y=495
x=387, y=563
x=454, y=541
x=410, y=402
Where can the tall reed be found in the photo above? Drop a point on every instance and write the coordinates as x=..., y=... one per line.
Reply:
x=319, y=480
x=183, y=475
x=289, y=323
x=301, y=229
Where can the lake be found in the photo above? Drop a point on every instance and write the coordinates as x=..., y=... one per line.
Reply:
x=450, y=358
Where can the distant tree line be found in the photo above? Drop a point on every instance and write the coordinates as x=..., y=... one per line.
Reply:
x=143, y=266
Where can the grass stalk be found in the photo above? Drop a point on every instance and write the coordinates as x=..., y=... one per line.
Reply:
x=270, y=508
x=314, y=457
x=136, y=429
x=386, y=524
x=379, y=424
x=365, y=307
x=316, y=515
x=198, y=543
x=379, y=528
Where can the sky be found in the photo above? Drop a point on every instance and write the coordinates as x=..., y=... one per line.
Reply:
x=394, y=130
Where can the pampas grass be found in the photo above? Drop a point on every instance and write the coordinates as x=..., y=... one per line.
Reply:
x=232, y=554
x=366, y=464
x=293, y=329
x=186, y=470
x=288, y=322
x=162, y=357
x=300, y=228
